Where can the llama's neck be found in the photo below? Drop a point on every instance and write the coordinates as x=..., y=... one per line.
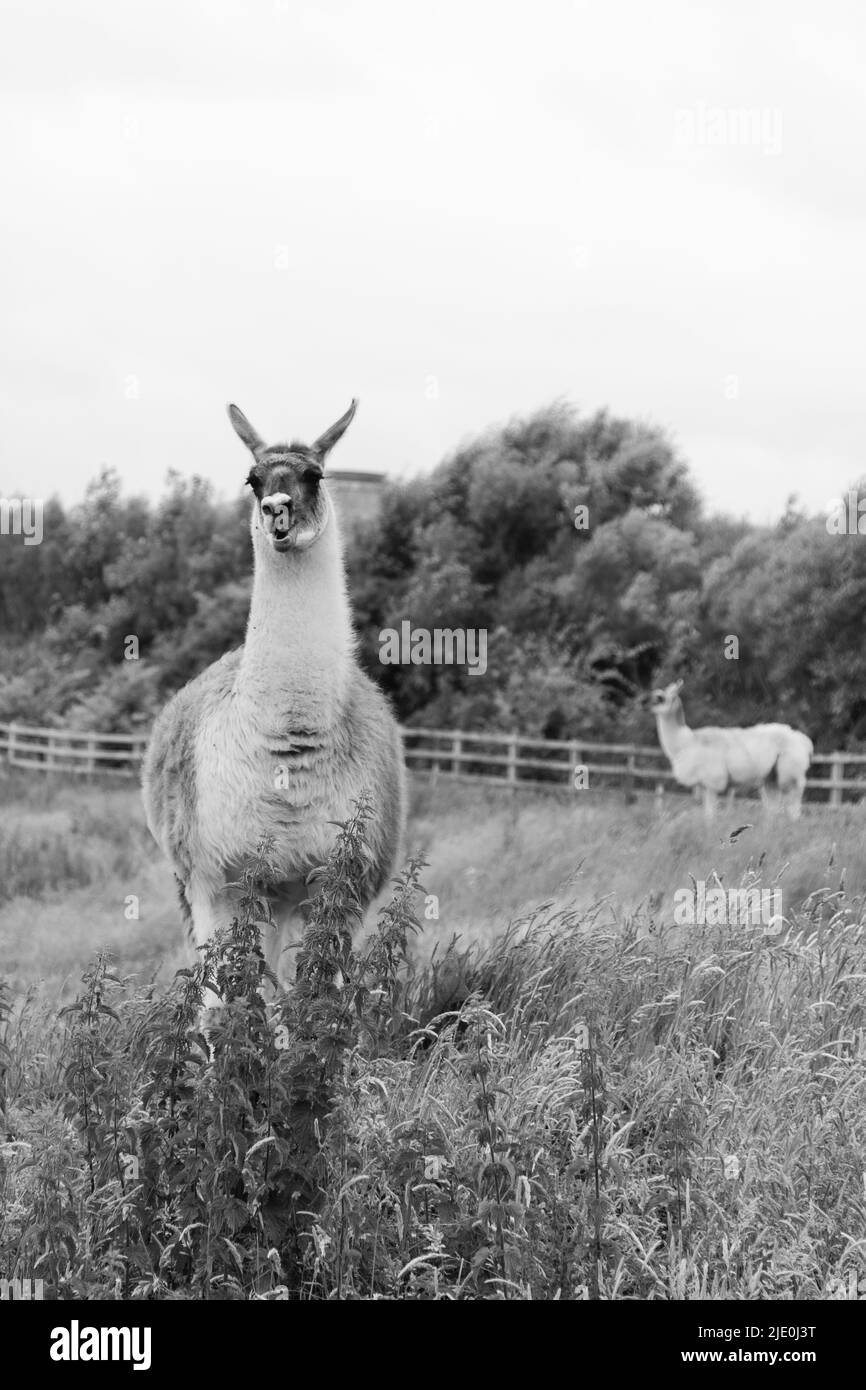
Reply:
x=298, y=653
x=674, y=732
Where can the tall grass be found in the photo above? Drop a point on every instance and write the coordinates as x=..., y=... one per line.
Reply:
x=631, y=1111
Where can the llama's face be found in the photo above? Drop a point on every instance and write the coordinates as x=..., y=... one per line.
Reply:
x=291, y=508
x=666, y=701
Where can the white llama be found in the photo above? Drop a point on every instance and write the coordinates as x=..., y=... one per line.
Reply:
x=278, y=737
x=716, y=760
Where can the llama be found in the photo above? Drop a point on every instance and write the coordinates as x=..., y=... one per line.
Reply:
x=716, y=760
x=280, y=736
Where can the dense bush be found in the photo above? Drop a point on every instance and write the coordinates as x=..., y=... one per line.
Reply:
x=581, y=621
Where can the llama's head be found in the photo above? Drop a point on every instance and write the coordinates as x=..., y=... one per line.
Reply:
x=667, y=701
x=291, y=509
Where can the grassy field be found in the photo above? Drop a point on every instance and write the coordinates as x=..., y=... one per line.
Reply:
x=71, y=857
x=719, y=1108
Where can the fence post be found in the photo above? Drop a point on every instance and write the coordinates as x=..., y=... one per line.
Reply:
x=660, y=795
x=629, y=779
x=511, y=771
x=456, y=750
x=837, y=773
x=435, y=767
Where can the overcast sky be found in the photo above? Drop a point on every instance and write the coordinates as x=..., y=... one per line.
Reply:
x=455, y=211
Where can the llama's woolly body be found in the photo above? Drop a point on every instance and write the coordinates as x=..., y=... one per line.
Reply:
x=217, y=776
x=720, y=758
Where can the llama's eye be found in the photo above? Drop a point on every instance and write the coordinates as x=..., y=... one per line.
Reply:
x=312, y=476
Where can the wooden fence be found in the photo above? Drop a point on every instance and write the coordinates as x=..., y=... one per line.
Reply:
x=66, y=750
x=509, y=760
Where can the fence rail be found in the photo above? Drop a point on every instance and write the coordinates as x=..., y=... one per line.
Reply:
x=71, y=750
x=509, y=760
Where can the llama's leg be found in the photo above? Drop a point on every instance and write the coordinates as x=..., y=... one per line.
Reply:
x=280, y=942
x=709, y=799
x=792, y=798
x=209, y=913
x=791, y=770
x=770, y=798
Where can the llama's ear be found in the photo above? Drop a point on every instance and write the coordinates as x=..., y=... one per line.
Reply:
x=325, y=442
x=244, y=429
